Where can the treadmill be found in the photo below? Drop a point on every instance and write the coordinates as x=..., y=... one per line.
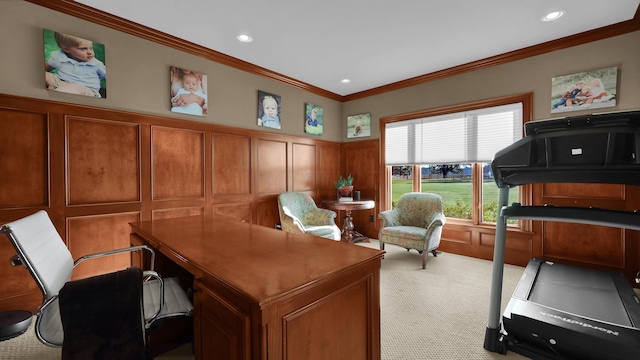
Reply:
x=559, y=311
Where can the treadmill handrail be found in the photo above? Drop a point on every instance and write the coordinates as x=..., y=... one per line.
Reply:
x=593, y=216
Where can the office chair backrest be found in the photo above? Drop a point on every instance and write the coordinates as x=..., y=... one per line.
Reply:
x=41, y=249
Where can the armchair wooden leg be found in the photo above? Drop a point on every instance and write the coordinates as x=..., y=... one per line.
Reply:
x=424, y=259
x=435, y=253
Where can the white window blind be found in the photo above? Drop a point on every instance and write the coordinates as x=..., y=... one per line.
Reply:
x=465, y=137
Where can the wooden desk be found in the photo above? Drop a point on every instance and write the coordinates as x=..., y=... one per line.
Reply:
x=261, y=293
x=348, y=232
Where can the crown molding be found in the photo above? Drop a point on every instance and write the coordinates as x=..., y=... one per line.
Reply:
x=95, y=16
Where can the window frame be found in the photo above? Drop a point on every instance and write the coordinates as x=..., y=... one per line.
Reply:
x=385, y=181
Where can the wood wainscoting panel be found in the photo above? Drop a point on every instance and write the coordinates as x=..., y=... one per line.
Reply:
x=583, y=191
x=328, y=170
x=360, y=159
x=24, y=168
x=94, y=233
x=360, y=162
x=177, y=163
x=176, y=212
x=18, y=290
x=304, y=167
x=240, y=211
x=231, y=165
x=102, y=161
x=516, y=241
x=268, y=214
x=591, y=244
x=272, y=167
x=457, y=234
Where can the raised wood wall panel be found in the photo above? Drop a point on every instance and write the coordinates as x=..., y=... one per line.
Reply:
x=240, y=211
x=231, y=165
x=328, y=167
x=177, y=212
x=103, y=161
x=16, y=279
x=178, y=163
x=584, y=245
x=95, y=170
x=304, y=167
x=582, y=191
x=361, y=159
x=24, y=167
x=268, y=214
x=590, y=244
x=460, y=235
x=92, y=234
x=272, y=166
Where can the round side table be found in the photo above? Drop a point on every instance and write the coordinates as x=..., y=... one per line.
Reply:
x=348, y=232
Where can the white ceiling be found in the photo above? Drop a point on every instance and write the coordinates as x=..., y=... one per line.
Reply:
x=371, y=42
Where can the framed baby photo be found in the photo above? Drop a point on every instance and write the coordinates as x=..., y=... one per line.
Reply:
x=359, y=125
x=269, y=109
x=188, y=91
x=313, y=119
x=587, y=90
x=74, y=65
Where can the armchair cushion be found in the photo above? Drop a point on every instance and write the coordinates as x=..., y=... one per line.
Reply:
x=299, y=214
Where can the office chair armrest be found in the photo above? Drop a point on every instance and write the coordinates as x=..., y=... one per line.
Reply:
x=147, y=276
x=119, y=251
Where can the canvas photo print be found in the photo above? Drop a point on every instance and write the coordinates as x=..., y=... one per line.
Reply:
x=313, y=120
x=74, y=65
x=587, y=90
x=188, y=91
x=359, y=125
x=269, y=108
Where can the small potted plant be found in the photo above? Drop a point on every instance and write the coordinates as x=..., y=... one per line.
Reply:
x=344, y=186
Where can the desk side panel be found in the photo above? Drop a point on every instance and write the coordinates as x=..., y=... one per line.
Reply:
x=335, y=319
x=223, y=329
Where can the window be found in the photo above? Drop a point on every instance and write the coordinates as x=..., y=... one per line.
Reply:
x=449, y=152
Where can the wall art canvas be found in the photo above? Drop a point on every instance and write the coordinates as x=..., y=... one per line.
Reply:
x=313, y=119
x=587, y=90
x=188, y=91
x=74, y=65
x=269, y=110
x=359, y=125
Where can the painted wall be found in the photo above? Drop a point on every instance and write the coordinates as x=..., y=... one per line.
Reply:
x=528, y=75
x=138, y=75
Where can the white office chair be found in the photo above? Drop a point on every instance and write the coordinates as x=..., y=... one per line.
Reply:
x=42, y=251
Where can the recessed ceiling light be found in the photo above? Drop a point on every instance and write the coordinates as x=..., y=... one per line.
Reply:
x=245, y=38
x=345, y=81
x=554, y=15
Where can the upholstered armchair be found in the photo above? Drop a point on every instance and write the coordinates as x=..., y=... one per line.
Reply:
x=415, y=223
x=299, y=214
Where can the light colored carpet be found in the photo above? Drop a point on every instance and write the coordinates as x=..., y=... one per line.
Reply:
x=440, y=312
x=436, y=313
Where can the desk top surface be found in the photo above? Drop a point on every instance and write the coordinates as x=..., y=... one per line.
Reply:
x=263, y=263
